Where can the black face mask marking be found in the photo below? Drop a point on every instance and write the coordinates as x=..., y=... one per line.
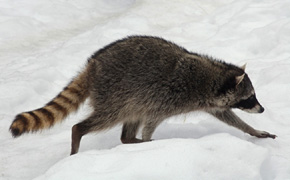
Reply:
x=249, y=103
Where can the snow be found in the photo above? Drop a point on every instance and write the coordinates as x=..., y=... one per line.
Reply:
x=163, y=159
x=43, y=44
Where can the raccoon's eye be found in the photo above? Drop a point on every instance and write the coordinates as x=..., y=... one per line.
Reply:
x=251, y=97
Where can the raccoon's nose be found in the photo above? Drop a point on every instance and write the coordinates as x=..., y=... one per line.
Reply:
x=261, y=109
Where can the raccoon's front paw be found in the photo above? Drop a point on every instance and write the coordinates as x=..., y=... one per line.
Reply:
x=264, y=134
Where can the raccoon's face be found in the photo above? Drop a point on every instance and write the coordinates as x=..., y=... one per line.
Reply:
x=245, y=97
x=249, y=104
x=239, y=93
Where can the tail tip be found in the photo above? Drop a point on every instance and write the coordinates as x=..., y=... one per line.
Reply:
x=15, y=132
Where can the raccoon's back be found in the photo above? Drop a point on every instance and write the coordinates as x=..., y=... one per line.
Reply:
x=141, y=70
x=139, y=57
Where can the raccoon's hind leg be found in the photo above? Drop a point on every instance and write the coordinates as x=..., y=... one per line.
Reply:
x=93, y=123
x=229, y=117
x=129, y=132
x=78, y=130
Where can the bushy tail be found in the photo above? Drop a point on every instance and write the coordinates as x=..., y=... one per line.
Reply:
x=57, y=109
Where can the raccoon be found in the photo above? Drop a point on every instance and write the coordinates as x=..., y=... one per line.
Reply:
x=139, y=81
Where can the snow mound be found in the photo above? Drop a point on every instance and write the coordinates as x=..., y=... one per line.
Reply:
x=219, y=156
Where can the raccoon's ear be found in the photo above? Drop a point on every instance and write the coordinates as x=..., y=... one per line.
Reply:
x=239, y=79
x=243, y=67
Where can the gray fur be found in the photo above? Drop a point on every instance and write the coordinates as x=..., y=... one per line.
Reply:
x=142, y=80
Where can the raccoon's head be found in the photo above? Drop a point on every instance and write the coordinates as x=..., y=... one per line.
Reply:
x=240, y=94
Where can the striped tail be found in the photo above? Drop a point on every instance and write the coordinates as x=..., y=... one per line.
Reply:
x=57, y=109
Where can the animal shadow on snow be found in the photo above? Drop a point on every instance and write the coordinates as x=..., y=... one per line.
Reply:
x=166, y=130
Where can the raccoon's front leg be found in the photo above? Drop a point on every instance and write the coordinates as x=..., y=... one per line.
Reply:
x=129, y=132
x=229, y=117
x=149, y=128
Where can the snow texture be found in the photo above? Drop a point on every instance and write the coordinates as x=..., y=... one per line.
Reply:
x=43, y=44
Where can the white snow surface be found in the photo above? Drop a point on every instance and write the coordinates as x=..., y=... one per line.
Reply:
x=43, y=44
